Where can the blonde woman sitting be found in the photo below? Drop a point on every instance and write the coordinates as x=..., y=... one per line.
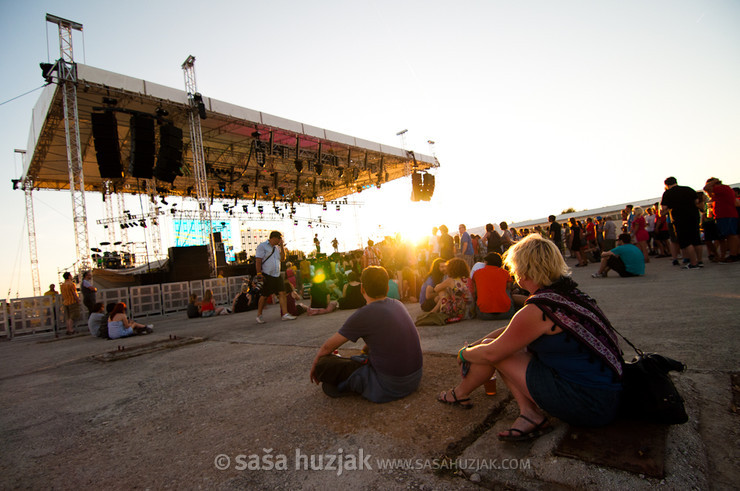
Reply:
x=558, y=355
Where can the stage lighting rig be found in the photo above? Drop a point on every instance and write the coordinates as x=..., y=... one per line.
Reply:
x=198, y=99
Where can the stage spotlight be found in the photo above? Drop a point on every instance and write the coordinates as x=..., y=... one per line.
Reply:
x=46, y=70
x=295, y=222
x=324, y=207
x=318, y=167
x=198, y=99
x=337, y=207
x=340, y=171
x=244, y=207
x=109, y=101
x=260, y=209
x=143, y=223
x=161, y=112
x=245, y=188
x=226, y=207
x=298, y=165
x=222, y=186
x=266, y=190
x=123, y=225
x=281, y=191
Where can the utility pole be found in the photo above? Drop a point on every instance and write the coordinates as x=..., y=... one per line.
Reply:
x=199, y=161
x=67, y=80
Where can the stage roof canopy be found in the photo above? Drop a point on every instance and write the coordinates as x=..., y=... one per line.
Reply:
x=234, y=140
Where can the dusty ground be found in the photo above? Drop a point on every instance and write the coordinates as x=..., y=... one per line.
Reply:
x=160, y=420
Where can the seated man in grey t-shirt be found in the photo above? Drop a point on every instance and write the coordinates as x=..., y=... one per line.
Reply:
x=392, y=366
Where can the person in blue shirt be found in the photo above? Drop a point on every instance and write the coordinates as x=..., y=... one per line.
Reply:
x=626, y=259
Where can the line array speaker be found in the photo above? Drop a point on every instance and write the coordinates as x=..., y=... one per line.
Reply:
x=107, y=149
x=142, y=147
x=169, y=159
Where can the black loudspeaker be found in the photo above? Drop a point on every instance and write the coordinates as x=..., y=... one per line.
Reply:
x=107, y=149
x=416, y=187
x=169, y=159
x=189, y=263
x=142, y=147
x=428, y=187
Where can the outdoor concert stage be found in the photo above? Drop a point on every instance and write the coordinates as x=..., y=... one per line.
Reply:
x=248, y=154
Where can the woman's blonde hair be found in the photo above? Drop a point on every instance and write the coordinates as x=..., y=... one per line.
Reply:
x=638, y=211
x=537, y=259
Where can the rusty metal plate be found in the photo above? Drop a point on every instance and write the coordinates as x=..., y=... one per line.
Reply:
x=632, y=446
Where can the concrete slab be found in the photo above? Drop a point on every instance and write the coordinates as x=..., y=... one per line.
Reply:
x=174, y=417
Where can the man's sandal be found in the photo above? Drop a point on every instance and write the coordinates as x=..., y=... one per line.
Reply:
x=536, y=432
x=457, y=402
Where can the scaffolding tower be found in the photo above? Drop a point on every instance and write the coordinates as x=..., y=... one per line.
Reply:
x=67, y=80
x=199, y=161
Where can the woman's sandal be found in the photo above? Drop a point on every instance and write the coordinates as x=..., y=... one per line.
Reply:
x=536, y=432
x=457, y=402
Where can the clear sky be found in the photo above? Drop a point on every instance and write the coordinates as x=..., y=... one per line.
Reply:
x=535, y=106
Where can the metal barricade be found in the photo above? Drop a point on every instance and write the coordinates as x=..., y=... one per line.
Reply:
x=175, y=296
x=4, y=318
x=31, y=315
x=112, y=295
x=235, y=285
x=196, y=287
x=145, y=300
x=220, y=290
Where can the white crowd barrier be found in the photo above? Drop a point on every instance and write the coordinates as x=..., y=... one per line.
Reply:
x=32, y=315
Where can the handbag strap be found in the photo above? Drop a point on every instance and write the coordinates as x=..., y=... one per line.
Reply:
x=637, y=350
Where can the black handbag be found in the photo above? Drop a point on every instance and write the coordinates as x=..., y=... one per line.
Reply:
x=648, y=392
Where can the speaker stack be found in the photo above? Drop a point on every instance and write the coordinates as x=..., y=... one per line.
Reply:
x=107, y=149
x=169, y=159
x=189, y=263
x=142, y=147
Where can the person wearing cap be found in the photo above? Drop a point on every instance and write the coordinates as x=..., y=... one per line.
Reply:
x=268, y=257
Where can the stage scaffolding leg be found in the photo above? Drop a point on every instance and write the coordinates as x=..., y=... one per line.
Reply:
x=199, y=164
x=108, y=198
x=67, y=79
x=31, y=224
x=155, y=238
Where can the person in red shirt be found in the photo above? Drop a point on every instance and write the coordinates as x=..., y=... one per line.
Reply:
x=493, y=300
x=725, y=213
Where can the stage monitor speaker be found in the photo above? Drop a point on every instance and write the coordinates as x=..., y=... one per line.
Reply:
x=169, y=159
x=107, y=149
x=142, y=147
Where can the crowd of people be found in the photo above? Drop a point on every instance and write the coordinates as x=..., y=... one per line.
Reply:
x=558, y=354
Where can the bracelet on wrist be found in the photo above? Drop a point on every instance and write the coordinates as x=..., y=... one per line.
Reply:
x=460, y=354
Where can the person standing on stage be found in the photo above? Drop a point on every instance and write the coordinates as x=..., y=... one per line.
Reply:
x=270, y=254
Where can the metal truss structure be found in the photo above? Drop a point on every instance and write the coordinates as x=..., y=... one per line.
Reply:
x=32, y=251
x=199, y=161
x=67, y=80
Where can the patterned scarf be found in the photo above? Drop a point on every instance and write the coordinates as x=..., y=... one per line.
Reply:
x=577, y=314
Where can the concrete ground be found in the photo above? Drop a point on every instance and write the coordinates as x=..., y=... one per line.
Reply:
x=237, y=410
